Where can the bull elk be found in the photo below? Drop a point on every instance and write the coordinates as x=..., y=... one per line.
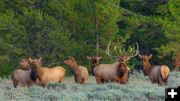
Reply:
x=80, y=72
x=118, y=71
x=157, y=73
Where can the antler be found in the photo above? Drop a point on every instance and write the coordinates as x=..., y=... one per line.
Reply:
x=137, y=51
x=120, y=51
x=108, y=53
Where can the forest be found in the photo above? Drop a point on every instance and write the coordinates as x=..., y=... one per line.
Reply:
x=56, y=29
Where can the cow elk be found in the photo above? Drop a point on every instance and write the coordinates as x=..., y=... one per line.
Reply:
x=177, y=62
x=94, y=62
x=80, y=72
x=21, y=76
x=157, y=73
x=118, y=71
x=46, y=75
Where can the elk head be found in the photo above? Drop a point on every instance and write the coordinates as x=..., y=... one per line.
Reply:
x=145, y=58
x=95, y=62
x=94, y=59
x=122, y=59
x=73, y=65
x=35, y=62
x=24, y=63
x=146, y=63
x=71, y=61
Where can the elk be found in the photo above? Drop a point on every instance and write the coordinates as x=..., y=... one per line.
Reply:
x=118, y=71
x=157, y=73
x=21, y=76
x=80, y=72
x=46, y=75
x=177, y=62
x=95, y=62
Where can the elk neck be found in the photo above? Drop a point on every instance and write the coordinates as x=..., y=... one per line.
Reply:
x=75, y=69
x=93, y=65
x=95, y=62
x=120, y=65
x=122, y=68
x=25, y=68
x=36, y=67
x=147, y=66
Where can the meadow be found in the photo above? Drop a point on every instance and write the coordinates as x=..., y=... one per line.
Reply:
x=139, y=88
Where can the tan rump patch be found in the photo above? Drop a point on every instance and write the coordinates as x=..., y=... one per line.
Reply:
x=165, y=71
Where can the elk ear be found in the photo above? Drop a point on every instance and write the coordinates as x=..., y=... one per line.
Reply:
x=73, y=59
x=150, y=56
x=99, y=58
x=40, y=59
x=140, y=56
x=88, y=57
x=30, y=60
x=65, y=61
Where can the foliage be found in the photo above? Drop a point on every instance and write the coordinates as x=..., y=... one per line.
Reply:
x=57, y=29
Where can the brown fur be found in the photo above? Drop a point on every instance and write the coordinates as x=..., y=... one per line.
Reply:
x=80, y=72
x=177, y=62
x=95, y=61
x=47, y=75
x=117, y=71
x=157, y=74
x=21, y=76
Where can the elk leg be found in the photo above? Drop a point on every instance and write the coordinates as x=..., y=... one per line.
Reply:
x=104, y=81
x=37, y=82
x=152, y=80
x=124, y=79
x=166, y=81
x=61, y=80
x=83, y=80
x=15, y=84
x=44, y=85
x=161, y=82
x=23, y=84
x=98, y=80
x=77, y=79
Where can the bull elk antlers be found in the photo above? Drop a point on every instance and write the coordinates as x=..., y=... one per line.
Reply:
x=119, y=54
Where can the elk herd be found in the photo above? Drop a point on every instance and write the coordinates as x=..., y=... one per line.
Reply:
x=32, y=71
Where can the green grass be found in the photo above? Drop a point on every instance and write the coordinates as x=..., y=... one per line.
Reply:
x=139, y=88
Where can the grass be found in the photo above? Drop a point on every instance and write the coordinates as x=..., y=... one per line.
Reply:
x=139, y=88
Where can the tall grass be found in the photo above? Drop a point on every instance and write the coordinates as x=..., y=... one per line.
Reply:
x=139, y=88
